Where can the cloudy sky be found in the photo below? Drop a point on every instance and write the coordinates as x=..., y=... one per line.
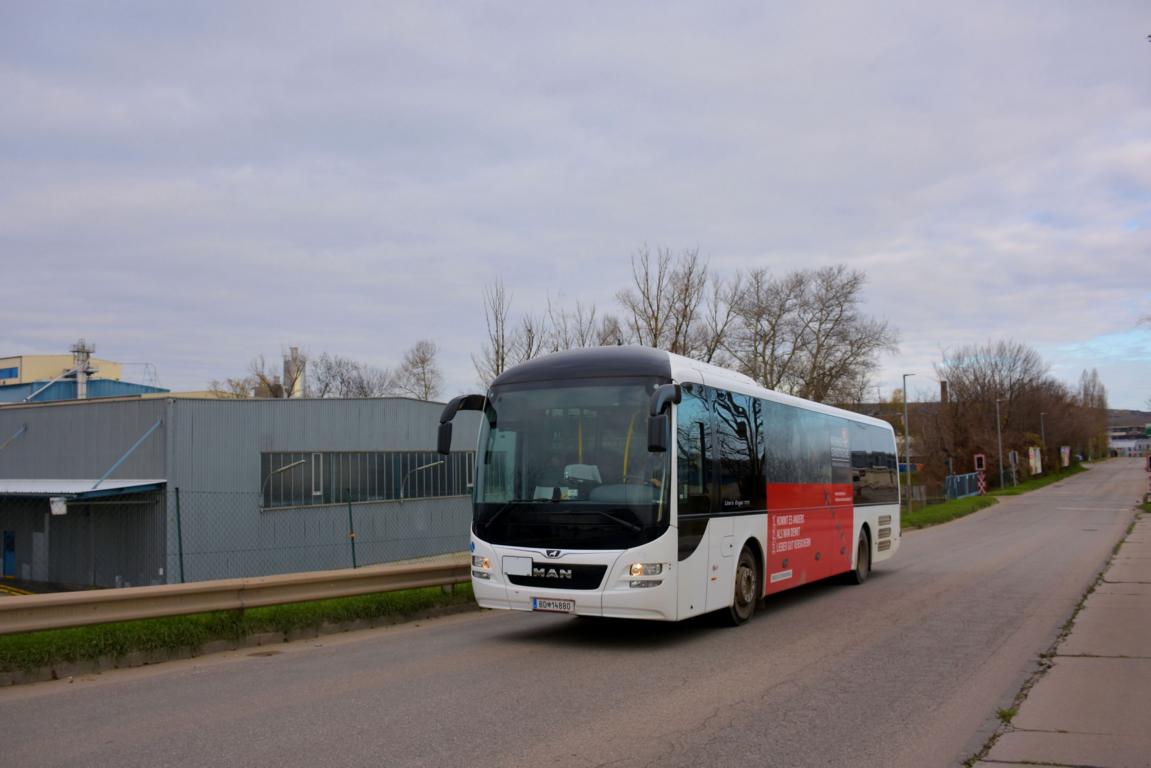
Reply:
x=191, y=185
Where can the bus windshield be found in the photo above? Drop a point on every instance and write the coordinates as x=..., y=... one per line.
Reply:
x=568, y=467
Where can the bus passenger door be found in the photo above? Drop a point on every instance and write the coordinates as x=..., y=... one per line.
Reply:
x=694, y=490
x=720, y=562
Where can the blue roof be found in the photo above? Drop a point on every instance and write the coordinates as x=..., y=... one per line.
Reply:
x=65, y=389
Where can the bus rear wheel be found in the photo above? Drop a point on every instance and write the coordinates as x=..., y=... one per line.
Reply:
x=746, y=589
x=862, y=560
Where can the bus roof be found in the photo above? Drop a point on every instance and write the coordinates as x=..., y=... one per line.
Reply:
x=639, y=361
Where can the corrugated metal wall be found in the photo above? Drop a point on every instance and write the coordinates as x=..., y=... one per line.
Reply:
x=216, y=444
x=116, y=541
x=109, y=542
x=211, y=450
x=215, y=448
x=83, y=439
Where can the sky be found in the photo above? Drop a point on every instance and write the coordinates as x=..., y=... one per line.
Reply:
x=191, y=185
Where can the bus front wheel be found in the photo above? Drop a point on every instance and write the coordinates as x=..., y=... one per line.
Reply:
x=746, y=589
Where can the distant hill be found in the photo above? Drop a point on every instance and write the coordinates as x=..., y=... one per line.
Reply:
x=1121, y=418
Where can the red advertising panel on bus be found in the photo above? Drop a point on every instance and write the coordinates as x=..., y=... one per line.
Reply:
x=809, y=533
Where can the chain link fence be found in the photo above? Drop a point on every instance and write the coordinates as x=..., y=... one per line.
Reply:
x=229, y=535
x=176, y=535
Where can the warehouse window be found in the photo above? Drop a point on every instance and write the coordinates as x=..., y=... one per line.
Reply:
x=296, y=479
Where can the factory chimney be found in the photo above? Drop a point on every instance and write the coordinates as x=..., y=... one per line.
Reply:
x=81, y=363
x=295, y=372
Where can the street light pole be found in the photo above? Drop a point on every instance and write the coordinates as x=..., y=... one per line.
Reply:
x=285, y=468
x=1043, y=436
x=404, y=482
x=907, y=441
x=999, y=438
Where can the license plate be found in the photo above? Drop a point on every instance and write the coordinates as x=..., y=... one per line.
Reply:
x=551, y=604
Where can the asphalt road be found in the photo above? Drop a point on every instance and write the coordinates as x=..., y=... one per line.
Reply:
x=906, y=670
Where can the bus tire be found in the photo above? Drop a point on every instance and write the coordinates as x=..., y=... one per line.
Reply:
x=862, y=560
x=746, y=591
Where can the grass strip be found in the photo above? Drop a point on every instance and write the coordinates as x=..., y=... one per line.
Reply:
x=1042, y=480
x=934, y=514
x=35, y=650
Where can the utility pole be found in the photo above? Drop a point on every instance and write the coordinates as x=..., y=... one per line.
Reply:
x=907, y=441
x=999, y=438
x=1043, y=436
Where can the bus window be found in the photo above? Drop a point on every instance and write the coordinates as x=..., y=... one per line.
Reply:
x=739, y=486
x=693, y=437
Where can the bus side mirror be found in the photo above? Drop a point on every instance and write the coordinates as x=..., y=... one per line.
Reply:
x=444, y=439
x=657, y=433
x=658, y=421
x=461, y=403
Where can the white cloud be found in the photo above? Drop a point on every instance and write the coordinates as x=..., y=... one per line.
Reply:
x=199, y=186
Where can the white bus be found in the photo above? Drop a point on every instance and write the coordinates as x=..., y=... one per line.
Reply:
x=630, y=482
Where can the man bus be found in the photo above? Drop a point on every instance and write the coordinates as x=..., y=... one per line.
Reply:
x=631, y=482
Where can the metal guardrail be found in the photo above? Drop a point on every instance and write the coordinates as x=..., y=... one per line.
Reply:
x=31, y=613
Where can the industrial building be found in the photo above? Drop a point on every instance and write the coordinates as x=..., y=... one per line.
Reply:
x=154, y=490
x=76, y=376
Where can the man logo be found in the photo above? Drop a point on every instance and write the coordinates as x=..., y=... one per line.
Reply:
x=552, y=573
x=553, y=553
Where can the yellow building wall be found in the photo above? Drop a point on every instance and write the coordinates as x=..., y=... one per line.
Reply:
x=47, y=367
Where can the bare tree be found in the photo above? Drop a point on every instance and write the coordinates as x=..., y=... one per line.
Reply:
x=804, y=333
x=764, y=341
x=646, y=302
x=263, y=381
x=530, y=338
x=1093, y=402
x=686, y=290
x=838, y=346
x=336, y=376
x=419, y=374
x=232, y=389
x=572, y=330
x=609, y=331
x=497, y=352
x=1034, y=409
x=719, y=316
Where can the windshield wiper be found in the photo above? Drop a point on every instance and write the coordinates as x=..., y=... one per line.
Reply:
x=625, y=523
x=506, y=506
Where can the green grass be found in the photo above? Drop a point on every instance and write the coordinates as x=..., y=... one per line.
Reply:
x=934, y=514
x=1006, y=715
x=1039, y=482
x=35, y=650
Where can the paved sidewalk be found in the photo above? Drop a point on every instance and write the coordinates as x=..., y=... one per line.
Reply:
x=1093, y=706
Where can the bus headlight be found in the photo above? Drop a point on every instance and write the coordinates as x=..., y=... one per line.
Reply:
x=645, y=569
x=481, y=567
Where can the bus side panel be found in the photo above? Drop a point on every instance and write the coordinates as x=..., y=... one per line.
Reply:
x=810, y=529
x=885, y=531
x=841, y=550
x=721, y=562
x=692, y=577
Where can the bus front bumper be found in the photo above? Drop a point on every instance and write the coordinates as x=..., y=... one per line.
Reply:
x=618, y=595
